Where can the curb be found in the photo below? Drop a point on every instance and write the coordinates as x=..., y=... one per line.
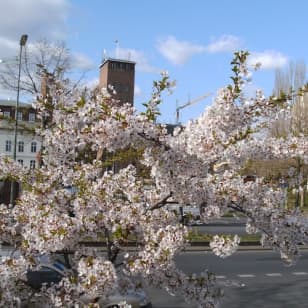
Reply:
x=244, y=243
x=220, y=224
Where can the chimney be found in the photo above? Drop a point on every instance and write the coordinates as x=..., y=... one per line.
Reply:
x=44, y=86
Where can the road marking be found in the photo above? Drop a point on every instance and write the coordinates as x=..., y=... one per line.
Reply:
x=273, y=274
x=246, y=275
x=300, y=273
x=220, y=277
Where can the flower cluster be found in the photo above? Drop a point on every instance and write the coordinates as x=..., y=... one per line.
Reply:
x=97, y=277
x=224, y=246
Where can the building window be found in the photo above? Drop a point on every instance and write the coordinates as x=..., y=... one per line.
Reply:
x=121, y=66
x=32, y=164
x=7, y=114
x=120, y=87
x=20, y=161
x=31, y=117
x=19, y=116
x=20, y=146
x=8, y=145
x=33, y=147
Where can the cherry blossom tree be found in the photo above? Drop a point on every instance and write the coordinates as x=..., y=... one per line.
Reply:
x=198, y=164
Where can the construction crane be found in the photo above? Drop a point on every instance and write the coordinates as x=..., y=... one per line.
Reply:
x=190, y=102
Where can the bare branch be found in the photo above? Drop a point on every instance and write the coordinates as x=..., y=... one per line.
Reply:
x=43, y=56
x=161, y=203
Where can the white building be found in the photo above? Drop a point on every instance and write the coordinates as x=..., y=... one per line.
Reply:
x=28, y=144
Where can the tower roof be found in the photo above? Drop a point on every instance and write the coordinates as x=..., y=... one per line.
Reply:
x=116, y=60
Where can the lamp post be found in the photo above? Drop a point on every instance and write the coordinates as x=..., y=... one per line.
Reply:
x=22, y=43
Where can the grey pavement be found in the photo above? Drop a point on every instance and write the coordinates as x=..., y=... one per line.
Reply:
x=250, y=279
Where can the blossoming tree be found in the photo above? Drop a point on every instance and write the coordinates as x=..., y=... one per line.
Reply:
x=199, y=164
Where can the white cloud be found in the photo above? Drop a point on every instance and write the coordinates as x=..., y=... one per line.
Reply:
x=8, y=48
x=40, y=19
x=8, y=94
x=37, y=18
x=269, y=59
x=91, y=83
x=178, y=52
x=82, y=62
x=142, y=64
x=137, y=90
x=226, y=43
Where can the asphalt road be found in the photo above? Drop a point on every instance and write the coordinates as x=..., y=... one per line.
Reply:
x=252, y=279
x=222, y=226
x=223, y=229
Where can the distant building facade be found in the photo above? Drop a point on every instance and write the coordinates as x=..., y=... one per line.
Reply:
x=118, y=75
x=28, y=144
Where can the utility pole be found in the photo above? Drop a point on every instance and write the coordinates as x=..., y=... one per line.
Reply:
x=22, y=43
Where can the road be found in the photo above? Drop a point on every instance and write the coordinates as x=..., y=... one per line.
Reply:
x=250, y=279
x=223, y=225
x=223, y=229
x=254, y=279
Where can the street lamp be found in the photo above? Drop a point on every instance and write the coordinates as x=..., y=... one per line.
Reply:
x=22, y=43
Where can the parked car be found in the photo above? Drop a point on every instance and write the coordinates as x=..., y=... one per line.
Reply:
x=46, y=273
x=136, y=299
x=53, y=270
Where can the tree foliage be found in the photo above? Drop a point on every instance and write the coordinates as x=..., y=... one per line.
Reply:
x=199, y=164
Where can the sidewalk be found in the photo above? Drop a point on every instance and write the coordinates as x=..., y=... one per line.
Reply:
x=243, y=246
x=252, y=246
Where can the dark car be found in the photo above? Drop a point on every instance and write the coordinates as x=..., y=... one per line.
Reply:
x=46, y=273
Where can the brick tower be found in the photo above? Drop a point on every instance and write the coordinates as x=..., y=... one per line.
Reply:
x=121, y=75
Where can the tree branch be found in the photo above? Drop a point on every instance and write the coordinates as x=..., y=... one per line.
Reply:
x=161, y=203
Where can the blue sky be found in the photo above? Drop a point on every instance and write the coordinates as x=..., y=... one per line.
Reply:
x=193, y=40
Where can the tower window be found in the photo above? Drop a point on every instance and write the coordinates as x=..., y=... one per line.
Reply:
x=120, y=87
x=121, y=66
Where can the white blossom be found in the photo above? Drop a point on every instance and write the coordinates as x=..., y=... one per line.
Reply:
x=224, y=246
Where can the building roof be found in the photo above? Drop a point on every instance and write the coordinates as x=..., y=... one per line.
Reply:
x=116, y=60
x=12, y=103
